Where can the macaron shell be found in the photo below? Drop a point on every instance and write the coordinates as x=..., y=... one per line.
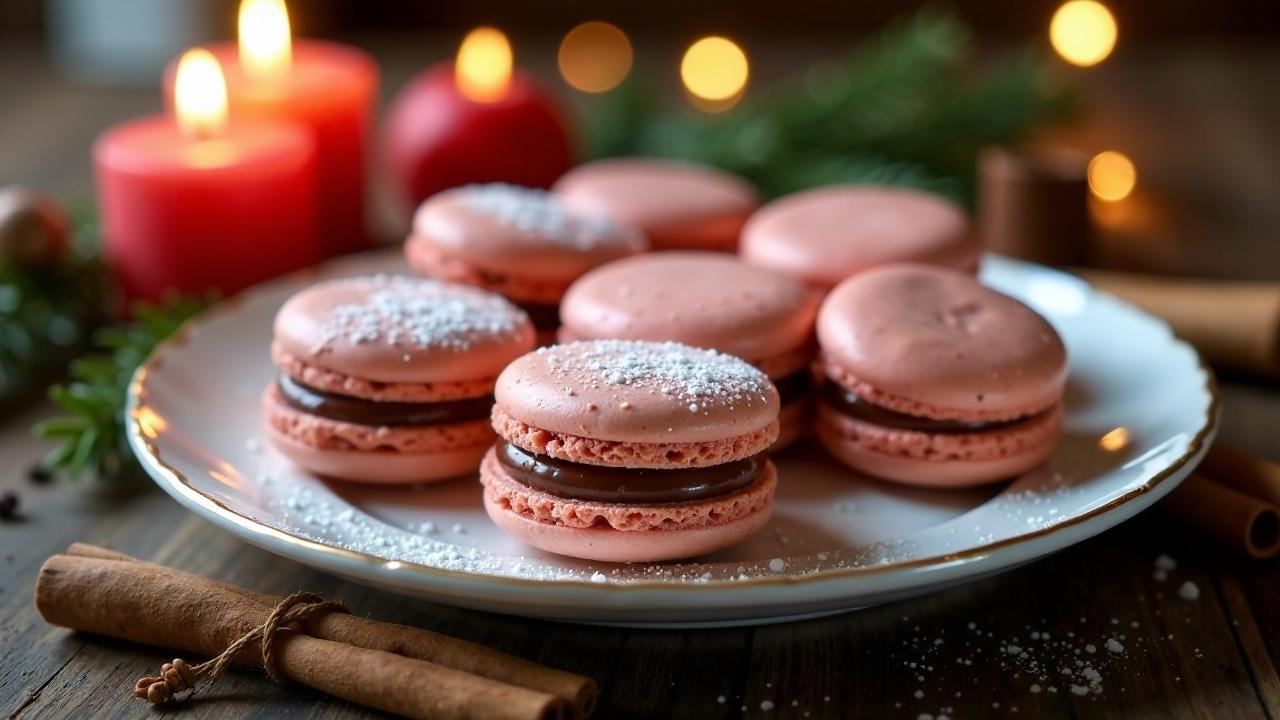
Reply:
x=450, y=222
x=431, y=261
x=616, y=390
x=674, y=204
x=379, y=466
x=424, y=331
x=615, y=532
x=826, y=235
x=613, y=453
x=939, y=460
x=920, y=337
x=702, y=299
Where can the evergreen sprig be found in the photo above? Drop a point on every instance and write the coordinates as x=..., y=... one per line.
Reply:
x=91, y=435
x=46, y=314
x=909, y=107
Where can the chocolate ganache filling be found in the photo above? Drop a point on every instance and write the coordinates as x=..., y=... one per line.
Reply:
x=579, y=481
x=345, y=408
x=847, y=402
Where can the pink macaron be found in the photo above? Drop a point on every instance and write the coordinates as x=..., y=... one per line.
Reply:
x=825, y=235
x=677, y=205
x=631, y=451
x=519, y=242
x=935, y=380
x=710, y=300
x=389, y=379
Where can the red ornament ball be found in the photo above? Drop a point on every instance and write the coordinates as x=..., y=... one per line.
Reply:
x=437, y=138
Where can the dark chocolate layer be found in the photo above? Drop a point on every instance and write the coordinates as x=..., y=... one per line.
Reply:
x=794, y=386
x=642, y=486
x=345, y=408
x=847, y=402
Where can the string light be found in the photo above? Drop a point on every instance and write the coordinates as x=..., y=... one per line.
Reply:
x=715, y=69
x=483, y=67
x=595, y=57
x=1083, y=32
x=1112, y=176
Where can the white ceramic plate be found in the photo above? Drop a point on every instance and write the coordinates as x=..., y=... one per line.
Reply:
x=1141, y=410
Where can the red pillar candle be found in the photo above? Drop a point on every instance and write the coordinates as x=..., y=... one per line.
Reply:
x=474, y=120
x=326, y=87
x=193, y=203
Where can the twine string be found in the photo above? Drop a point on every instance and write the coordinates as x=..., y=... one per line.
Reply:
x=177, y=676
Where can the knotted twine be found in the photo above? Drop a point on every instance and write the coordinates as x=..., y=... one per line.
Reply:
x=177, y=676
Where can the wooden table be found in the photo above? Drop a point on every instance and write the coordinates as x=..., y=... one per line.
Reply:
x=1200, y=123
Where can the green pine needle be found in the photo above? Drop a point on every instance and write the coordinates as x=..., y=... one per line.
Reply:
x=91, y=433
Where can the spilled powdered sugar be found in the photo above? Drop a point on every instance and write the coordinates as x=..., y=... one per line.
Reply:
x=541, y=213
x=698, y=378
x=415, y=313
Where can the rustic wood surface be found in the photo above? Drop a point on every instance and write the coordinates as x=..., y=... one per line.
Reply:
x=1200, y=123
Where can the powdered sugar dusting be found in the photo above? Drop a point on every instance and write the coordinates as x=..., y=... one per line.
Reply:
x=541, y=213
x=419, y=314
x=700, y=379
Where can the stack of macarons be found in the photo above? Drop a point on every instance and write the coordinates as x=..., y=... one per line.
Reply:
x=389, y=379
x=709, y=300
x=644, y=435
x=933, y=379
x=676, y=205
x=522, y=243
x=628, y=451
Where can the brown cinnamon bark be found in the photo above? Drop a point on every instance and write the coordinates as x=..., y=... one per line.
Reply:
x=1240, y=471
x=157, y=606
x=412, y=642
x=1244, y=522
x=1234, y=325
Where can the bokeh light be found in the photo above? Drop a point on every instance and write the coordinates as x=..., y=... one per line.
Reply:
x=1115, y=440
x=1083, y=32
x=1112, y=176
x=715, y=69
x=595, y=57
x=483, y=67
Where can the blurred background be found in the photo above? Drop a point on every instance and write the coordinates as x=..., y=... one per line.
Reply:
x=1189, y=94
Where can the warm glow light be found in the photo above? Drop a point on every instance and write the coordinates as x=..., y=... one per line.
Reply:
x=1083, y=32
x=1115, y=440
x=200, y=95
x=483, y=68
x=714, y=69
x=265, y=48
x=1111, y=176
x=595, y=57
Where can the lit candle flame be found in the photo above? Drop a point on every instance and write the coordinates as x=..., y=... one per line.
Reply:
x=483, y=68
x=266, y=50
x=1112, y=176
x=200, y=95
x=715, y=69
x=1083, y=32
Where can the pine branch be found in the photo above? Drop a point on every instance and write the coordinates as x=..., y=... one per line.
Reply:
x=907, y=108
x=91, y=432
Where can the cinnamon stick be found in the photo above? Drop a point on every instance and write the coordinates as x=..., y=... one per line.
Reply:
x=157, y=606
x=1234, y=325
x=1246, y=473
x=579, y=691
x=1246, y=523
x=1033, y=203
